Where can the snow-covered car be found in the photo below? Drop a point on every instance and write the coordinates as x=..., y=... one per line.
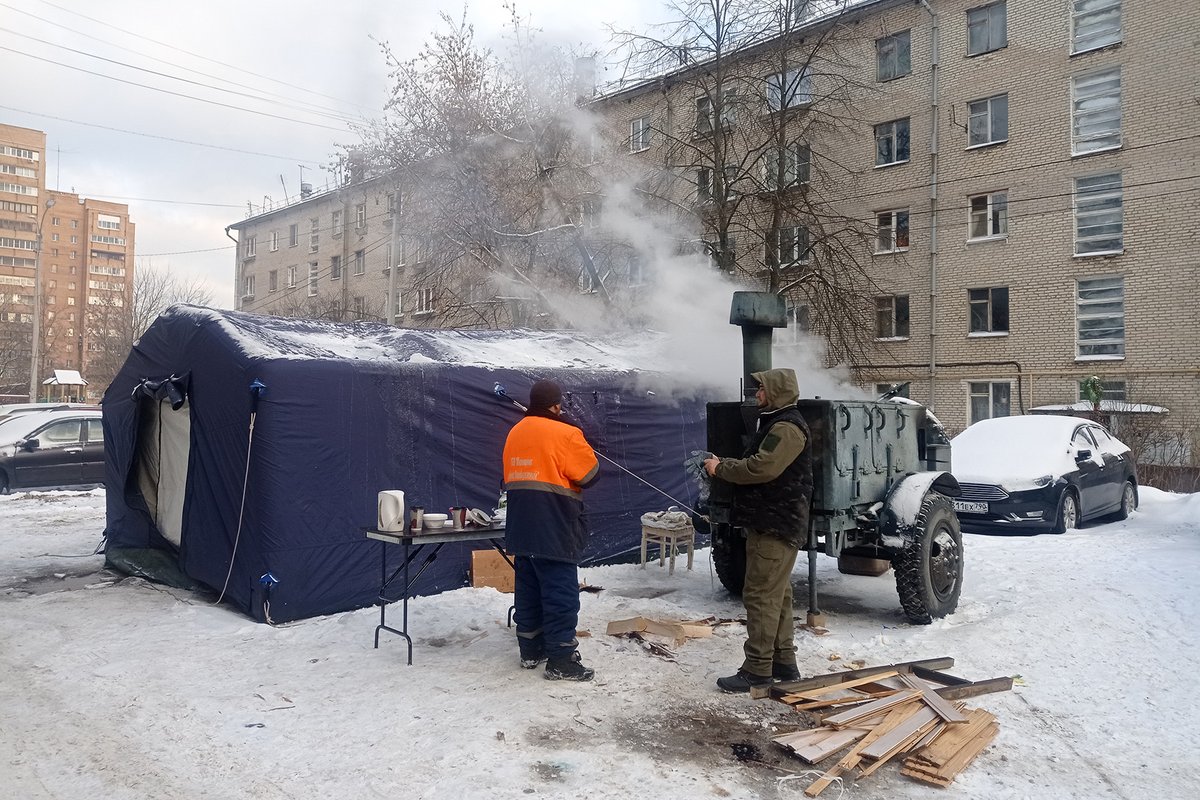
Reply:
x=51, y=448
x=13, y=409
x=1041, y=472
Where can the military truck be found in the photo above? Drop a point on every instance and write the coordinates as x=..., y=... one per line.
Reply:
x=881, y=483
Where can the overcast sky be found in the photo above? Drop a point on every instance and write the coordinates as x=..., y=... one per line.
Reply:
x=298, y=60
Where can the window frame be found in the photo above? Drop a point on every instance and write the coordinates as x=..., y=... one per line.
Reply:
x=894, y=303
x=1095, y=285
x=640, y=134
x=1098, y=196
x=799, y=242
x=991, y=385
x=251, y=246
x=293, y=234
x=995, y=297
x=988, y=9
x=314, y=276
x=360, y=216
x=795, y=160
x=996, y=226
x=989, y=114
x=894, y=225
x=335, y=268
x=1103, y=112
x=425, y=301
x=290, y=276
x=888, y=48
x=893, y=136
x=798, y=90
x=273, y=281
x=1077, y=15
x=360, y=262
x=335, y=222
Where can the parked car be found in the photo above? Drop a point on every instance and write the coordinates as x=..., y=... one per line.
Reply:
x=1041, y=472
x=51, y=448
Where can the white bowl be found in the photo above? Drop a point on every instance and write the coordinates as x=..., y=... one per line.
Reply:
x=435, y=520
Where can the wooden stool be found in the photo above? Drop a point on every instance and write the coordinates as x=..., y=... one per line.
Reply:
x=672, y=539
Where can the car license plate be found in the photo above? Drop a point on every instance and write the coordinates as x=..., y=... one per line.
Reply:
x=970, y=508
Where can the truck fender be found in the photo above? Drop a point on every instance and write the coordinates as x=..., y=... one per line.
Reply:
x=898, y=518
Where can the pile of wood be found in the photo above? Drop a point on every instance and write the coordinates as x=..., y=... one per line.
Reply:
x=884, y=712
x=660, y=636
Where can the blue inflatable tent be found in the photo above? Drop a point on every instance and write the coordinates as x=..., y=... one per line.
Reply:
x=240, y=445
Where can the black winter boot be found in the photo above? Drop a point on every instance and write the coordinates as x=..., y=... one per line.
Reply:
x=570, y=668
x=785, y=672
x=741, y=682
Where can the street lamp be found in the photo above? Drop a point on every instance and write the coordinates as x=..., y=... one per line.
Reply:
x=37, y=305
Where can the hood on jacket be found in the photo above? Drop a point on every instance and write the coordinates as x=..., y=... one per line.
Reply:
x=783, y=389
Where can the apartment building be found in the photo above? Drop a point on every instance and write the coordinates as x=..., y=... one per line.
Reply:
x=85, y=248
x=1022, y=168
x=1004, y=184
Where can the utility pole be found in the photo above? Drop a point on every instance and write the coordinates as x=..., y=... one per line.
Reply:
x=34, y=353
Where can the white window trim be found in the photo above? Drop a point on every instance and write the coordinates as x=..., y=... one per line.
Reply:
x=875, y=302
x=895, y=248
x=641, y=134
x=1075, y=21
x=991, y=237
x=1124, y=338
x=966, y=384
x=1075, y=218
x=1071, y=100
x=987, y=334
x=990, y=142
x=875, y=142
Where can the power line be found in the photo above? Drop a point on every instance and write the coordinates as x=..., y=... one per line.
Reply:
x=156, y=200
x=164, y=138
x=164, y=61
x=174, y=94
x=197, y=55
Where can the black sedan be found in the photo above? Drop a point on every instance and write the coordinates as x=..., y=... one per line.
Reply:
x=51, y=448
x=1041, y=473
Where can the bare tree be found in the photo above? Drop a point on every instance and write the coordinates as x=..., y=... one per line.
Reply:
x=486, y=151
x=14, y=346
x=765, y=87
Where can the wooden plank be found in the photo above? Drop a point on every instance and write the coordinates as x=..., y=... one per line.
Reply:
x=929, y=737
x=924, y=776
x=817, y=681
x=975, y=688
x=489, y=568
x=842, y=701
x=824, y=748
x=968, y=753
x=902, y=733
x=900, y=747
x=944, y=747
x=815, y=694
x=847, y=718
x=934, y=700
x=852, y=759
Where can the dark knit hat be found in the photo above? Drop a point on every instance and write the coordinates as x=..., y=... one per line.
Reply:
x=543, y=395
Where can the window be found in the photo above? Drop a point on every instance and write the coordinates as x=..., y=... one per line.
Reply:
x=425, y=301
x=75, y=239
x=792, y=245
x=1100, y=317
x=989, y=216
x=274, y=241
x=314, y=236
x=783, y=169
x=639, y=134
x=891, y=142
x=789, y=89
x=1096, y=111
x=989, y=399
x=798, y=325
x=53, y=220
x=987, y=28
x=247, y=287
x=335, y=268
x=987, y=121
x=705, y=188
x=989, y=309
x=399, y=307
x=95, y=430
x=293, y=235
x=706, y=117
x=360, y=215
x=250, y=246
x=291, y=277
x=390, y=200
x=108, y=222
x=1099, y=226
x=61, y=434
x=360, y=262
x=891, y=317
x=74, y=223
x=894, y=389
x=359, y=307
x=335, y=223
x=273, y=281
x=893, y=56
x=1094, y=23
x=313, y=274
x=891, y=231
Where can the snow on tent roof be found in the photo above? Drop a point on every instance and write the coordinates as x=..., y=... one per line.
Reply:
x=279, y=337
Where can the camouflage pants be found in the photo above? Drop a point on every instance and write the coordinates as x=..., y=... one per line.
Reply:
x=767, y=595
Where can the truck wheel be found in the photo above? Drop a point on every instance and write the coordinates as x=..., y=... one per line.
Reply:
x=929, y=570
x=729, y=557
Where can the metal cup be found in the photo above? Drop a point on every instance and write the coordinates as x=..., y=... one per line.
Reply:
x=458, y=517
x=418, y=517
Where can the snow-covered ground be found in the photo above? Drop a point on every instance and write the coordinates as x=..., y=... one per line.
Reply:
x=116, y=688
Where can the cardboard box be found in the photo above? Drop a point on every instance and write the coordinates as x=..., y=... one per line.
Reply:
x=488, y=568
